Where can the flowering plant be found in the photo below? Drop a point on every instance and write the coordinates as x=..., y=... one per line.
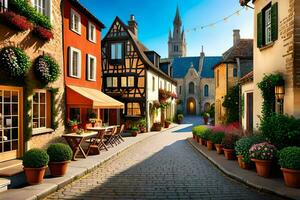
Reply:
x=156, y=104
x=164, y=95
x=263, y=151
x=16, y=21
x=228, y=142
x=43, y=33
x=46, y=69
x=174, y=95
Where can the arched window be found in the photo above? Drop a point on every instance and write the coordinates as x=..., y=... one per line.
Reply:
x=191, y=88
x=206, y=90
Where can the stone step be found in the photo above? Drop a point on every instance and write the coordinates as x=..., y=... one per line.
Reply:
x=11, y=171
x=4, y=184
x=10, y=163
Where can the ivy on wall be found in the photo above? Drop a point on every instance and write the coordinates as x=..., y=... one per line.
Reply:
x=231, y=103
x=54, y=111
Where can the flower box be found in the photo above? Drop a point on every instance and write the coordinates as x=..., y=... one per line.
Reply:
x=15, y=21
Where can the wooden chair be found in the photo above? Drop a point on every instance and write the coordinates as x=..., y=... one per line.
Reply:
x=97, y=143
x=118, y=136
x=111, y=137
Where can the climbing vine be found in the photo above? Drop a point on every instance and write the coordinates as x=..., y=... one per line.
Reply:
x=54, y=111
x=231, y=103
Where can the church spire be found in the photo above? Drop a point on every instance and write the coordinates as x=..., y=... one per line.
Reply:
x=177, y=19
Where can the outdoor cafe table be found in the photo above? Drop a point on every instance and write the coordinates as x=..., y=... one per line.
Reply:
x=75, y=140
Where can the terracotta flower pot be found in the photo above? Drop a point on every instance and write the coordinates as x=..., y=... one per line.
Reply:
x=203, y=142
x=219, y=148
x=263, y=167
x=134, y=133
x=58, y=168
x=73, y=129
x=194, y=136
x=291, y=177
x=205, y=119
x=209, y=145
x=35, y=175
x=229, y=154
x=242, y=163
x=167, y=124
x=197, y=139
x=143, y=129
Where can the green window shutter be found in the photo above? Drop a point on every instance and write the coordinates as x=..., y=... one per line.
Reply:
x=274, y=21
x=259, y=30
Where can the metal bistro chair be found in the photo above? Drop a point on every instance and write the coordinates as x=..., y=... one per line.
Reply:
x=97, y=143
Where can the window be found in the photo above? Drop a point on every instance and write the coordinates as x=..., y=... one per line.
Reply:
x=153, y=83
x=39, y=109
x=92, y=32
x=235, y=72
x=217, y=78
x=3, y=5
x=112, y=81
x=130, y=81
x=133, y=109
x=191, y=88
x=91, y=67
x=206, y=91
x=175, y=48
x=267, y=25
x=179, y=89
x=75, y=114
x=74, y=62
x=75, y=22
x=43, y=6
x=116, y=51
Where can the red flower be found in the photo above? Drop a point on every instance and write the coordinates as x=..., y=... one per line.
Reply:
x=43, y=33
x=16, y=21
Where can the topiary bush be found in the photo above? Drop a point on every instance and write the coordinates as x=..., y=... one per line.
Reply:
x=59, y=152
x=46, y=69
x=244, y=144
x=216, y=137
x=228, y=142
x=281, y=130
x=289, y=158
x=202, y=131
x=35, y=158
x=14, y=61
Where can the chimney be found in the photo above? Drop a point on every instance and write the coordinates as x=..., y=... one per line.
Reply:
x=133, y=25
x=236, y=36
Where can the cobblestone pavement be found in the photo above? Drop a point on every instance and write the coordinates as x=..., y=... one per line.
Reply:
x=163, y=166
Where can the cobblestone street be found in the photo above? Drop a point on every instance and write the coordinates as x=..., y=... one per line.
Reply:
x=163, y=166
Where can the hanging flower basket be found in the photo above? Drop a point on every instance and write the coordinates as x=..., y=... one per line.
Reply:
x=14, y=61
x=15, y=21
x=43, y=33
x=46, y=69
x=164, y=95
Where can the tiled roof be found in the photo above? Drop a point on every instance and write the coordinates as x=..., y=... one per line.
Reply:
x=182, y=65
x=243, y=49
x=208, y=65
x=247, y=78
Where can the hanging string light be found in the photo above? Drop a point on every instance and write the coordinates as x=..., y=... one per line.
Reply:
x=212, y=25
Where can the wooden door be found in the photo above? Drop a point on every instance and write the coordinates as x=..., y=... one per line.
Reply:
x=249, y=111
x=191, y=106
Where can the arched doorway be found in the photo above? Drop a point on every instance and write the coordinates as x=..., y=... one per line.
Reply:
x=191, y=106
x=206, y=106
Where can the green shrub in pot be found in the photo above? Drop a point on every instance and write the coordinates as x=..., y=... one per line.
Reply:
x=289, y=158
x=59, y=152
x=35, y=158
x=216, y=137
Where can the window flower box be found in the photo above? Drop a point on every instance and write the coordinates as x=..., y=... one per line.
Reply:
x=15, y=21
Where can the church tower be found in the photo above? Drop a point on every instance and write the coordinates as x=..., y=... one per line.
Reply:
x=177, y=43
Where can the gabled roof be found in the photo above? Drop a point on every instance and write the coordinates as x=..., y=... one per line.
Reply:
x=141, y=49
x=243, y=49
x=181, y=65
x=85, y=11
x=247, y=78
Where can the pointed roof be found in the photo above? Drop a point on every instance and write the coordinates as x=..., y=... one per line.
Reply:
x=177, y=19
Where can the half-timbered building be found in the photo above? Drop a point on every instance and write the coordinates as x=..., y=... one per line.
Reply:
x=131, y=72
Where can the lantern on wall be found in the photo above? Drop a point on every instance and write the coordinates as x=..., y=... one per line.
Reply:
x=279, y=94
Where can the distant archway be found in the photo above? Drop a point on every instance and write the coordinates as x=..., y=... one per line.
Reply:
x=206, y=106
x=191, y=106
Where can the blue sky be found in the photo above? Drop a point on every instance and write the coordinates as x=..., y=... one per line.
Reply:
x=155, y=18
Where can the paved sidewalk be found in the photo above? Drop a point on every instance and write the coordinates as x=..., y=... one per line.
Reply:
x=249, y=177
x=76, y=170
x=164, y=166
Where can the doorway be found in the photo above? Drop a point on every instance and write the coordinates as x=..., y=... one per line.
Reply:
x=249, y=113
x=191, y=106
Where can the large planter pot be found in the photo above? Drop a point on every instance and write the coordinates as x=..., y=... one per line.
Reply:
x=58, y=168
x=142, y=129
x=229, y=154
x=203, y=142
x=156, y=127
x=134, y=133
x=194, y=136
x=205, y=119
x=242, y=163
x=263, y=167
x=209, y=145
x=219, y=148
x=197, y=139
x=167, y=124
x=291, y=177
x=35, y=175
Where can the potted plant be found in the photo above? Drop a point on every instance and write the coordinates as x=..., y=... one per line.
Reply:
x=228, y=144
x=242, y=149
x=35, y=163
x=79, y=131
x=134, y=131
x=204, y=136
x=262, y=155
x=157, y=126
x=216, y=138
x=92, y=118
x=180, y=118
x=205, y=116
x=289, y=160
x=73, y=125
x=60, y=155
x=168, y=123
x=142, y=125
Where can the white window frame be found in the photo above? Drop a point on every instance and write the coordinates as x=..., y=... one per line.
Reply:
x=4, y=3
x=39, y=103
x=74, y=13
x=71, y=50
x=89, y=57
x=268, y=26
x=92, y=36
x=48, y=9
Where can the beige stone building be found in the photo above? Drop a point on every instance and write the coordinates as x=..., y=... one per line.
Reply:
x=28, y=107
x=277, y=42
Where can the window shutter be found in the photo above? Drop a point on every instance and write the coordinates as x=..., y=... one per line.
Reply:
x=259, y=30
x=274, y=21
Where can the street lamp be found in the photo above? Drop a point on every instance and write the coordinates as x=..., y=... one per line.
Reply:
x=279, y=93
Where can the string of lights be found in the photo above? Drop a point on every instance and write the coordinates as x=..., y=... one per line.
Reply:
x=212, y=25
